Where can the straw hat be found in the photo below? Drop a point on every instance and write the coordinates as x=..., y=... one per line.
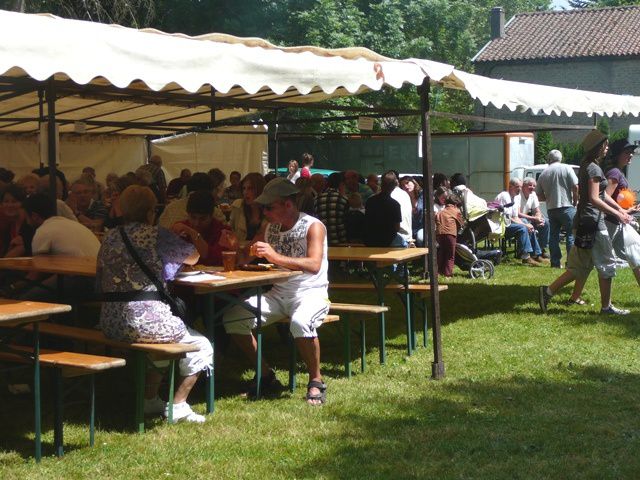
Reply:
x=593, y=139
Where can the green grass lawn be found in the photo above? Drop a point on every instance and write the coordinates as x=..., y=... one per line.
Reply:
x=526, y=395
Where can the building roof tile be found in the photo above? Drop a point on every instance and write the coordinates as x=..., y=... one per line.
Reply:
x=554, y=35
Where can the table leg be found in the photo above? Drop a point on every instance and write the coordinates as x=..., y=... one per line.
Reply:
x=140, y=366
x=36, y=391
x=407, y=299
x=292, y=363
x=92, y=413
x=363, y=346
x=208, y=312
x=379, y=282
x=172, y=388
x=347, y=345
x=58, y=438
x=259, y=343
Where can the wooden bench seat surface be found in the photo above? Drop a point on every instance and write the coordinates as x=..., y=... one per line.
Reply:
x=413, y=287
x=357, y=308
x=59, y=359
x=327, y=319
x=96, y=336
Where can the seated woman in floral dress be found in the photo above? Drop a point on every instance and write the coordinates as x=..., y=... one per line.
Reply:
x=149, y=321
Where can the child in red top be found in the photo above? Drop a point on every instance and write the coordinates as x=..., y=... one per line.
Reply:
x=208, y=235
x=448, y=222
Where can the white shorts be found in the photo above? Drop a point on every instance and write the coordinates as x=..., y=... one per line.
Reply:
x=581, y=260
x=195, y=362
x=306, y=310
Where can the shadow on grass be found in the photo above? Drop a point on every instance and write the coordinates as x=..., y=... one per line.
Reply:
x=582, y=424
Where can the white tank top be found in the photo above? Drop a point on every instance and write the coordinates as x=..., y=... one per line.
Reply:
x=293, y=243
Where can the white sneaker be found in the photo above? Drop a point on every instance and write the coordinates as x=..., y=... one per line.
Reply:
x=154, y=406
x=182, y=413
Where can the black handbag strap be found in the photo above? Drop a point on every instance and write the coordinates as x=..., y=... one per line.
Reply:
x=143, y=266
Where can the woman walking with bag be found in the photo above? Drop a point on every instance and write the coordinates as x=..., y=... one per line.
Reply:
x=592, y=247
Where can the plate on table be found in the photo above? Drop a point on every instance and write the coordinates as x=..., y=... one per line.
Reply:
x=188, y=273
x=252, y=267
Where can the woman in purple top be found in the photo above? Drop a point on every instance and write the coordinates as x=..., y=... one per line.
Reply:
x=127, y=319
x=621, y=153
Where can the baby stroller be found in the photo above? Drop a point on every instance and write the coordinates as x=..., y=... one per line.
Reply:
x=481, y=222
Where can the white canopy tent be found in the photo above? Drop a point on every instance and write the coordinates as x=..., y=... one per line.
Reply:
x=127, y=81
x=106, y=153
x=82, y=76
x=199, y=152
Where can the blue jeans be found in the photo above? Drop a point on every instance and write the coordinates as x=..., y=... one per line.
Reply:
x=527, y=242
x=543, y=233
x=399, y=241
x=560, y=218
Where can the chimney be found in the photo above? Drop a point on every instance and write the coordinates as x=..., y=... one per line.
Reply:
x=497, y=22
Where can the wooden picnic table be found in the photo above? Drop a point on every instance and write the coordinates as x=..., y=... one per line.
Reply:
x=376, y=259
x=381, y=256
x=225, y=281
x=14, y=314
x=56, y=264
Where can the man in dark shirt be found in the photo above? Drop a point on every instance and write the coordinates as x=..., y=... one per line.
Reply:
x=383, y=216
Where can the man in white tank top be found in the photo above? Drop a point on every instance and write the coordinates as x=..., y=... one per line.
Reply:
x=295, y=241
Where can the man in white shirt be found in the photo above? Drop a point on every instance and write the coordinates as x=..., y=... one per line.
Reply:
x=57, y=235
x=530, y=213
x=528, y=248
x=295, y=241
x=406, y=210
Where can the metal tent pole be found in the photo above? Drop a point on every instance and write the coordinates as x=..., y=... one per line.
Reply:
x=51, y=139
x=437, y=367
x=273, y=145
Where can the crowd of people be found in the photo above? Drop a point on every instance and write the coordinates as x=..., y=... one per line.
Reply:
x=149, y=229
x=142, y=229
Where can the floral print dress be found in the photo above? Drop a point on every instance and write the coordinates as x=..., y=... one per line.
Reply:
x=149, y=321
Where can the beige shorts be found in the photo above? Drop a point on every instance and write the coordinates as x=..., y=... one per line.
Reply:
x=581, y=260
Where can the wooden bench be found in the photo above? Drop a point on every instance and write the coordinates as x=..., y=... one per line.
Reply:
x=413, y=289
x=395, y=287
x=141, y=351
x=67, y=364
x=349, y=309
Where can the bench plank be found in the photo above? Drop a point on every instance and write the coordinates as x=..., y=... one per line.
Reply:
x=60, y=359
x=357, y=308
x=327, y=319
x=96, y=336
x=398, y=287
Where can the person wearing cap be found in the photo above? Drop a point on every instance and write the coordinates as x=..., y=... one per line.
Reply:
x=296, y=241
x=558, y=186
x=592, y=247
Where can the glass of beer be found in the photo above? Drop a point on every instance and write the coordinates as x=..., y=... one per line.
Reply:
x=229, y=260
